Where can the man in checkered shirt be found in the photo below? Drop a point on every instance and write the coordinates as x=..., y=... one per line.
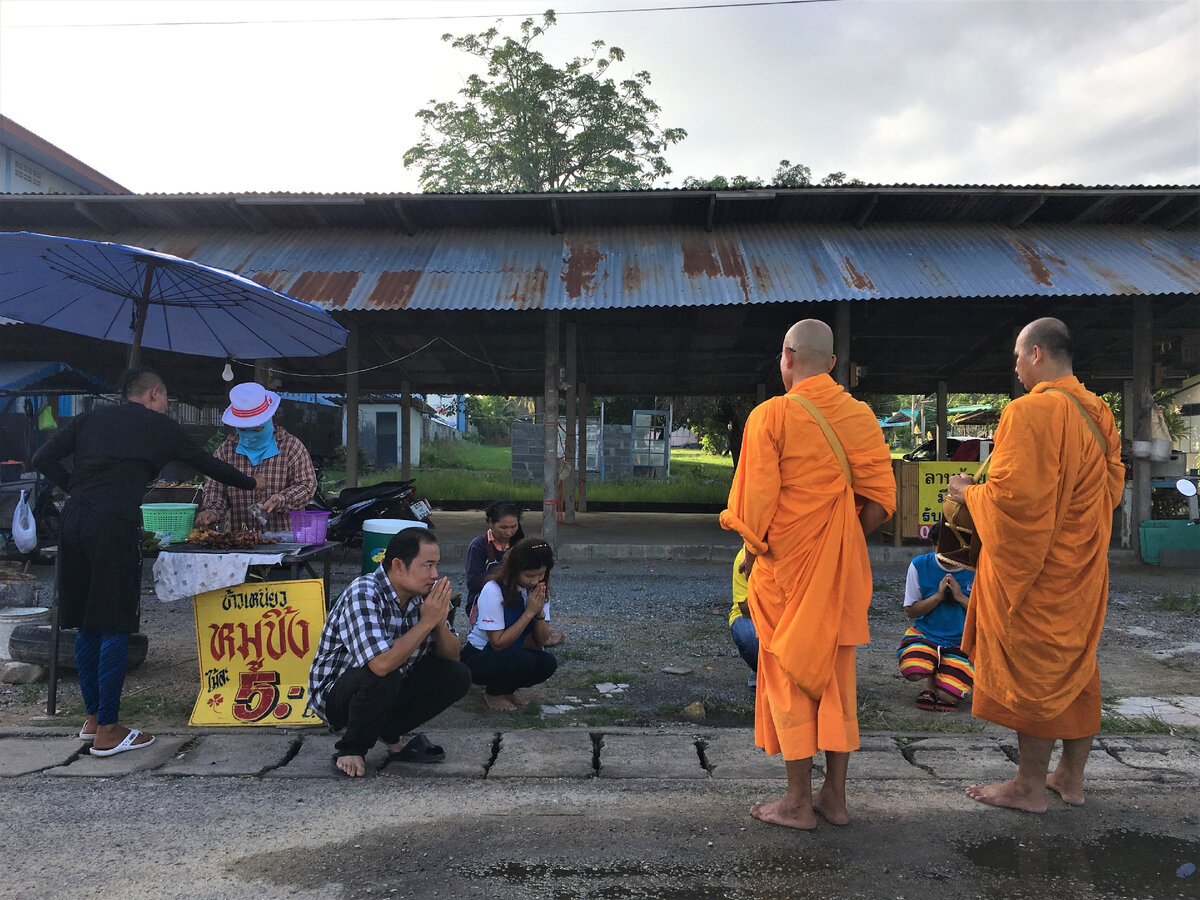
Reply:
x=387, y=660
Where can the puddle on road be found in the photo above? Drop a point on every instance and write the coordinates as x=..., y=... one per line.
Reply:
x=773, y=879
x=1118, y=863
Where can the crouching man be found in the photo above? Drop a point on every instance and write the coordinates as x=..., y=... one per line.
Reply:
x=387, y=660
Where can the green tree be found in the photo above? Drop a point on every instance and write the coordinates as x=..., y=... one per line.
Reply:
x=786, y=175
x=491, y=416
x=527, y=125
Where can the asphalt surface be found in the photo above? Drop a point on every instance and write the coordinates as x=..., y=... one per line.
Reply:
x=587, y=811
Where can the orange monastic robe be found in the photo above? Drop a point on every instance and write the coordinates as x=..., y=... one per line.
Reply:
x=1045, y=518
x=811, y=586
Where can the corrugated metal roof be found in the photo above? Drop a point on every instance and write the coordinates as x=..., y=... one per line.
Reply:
x=659, y=266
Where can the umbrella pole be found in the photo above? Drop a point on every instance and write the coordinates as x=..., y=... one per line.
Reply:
x=52, y=678
x=139, y=315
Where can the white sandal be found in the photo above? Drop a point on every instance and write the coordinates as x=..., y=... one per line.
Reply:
x=126, y=744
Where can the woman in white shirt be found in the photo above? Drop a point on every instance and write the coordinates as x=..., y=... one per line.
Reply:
x=505, y=649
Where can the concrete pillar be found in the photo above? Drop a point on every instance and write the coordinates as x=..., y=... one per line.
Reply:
x=352, y=364
x=405, y=429
x=550, y=434
x=942, y=420
x=568, y=469
x=1138, y=413
x=841, y=343
x=581, y=449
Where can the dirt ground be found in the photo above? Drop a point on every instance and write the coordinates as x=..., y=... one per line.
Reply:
x=627, y=620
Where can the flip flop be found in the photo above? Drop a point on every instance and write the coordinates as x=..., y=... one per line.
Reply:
x=927, y=700
x=126, y=744
x=556, y=637
x=85, y=736
x=418, y=750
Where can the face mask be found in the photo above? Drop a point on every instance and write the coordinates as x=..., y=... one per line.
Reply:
x=257, y=445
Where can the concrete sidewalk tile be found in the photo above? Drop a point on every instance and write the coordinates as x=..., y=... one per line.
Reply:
x=543, y=754
x=20, y=756
x=467, y=756
x=1162, y=755
x=650, y=756
x=313, y=759
x=1143, y=707
x=1103, y=766
x=732, y=755
x=232, y=754
x=978, y=760
x=883, y=765
x=87, y=766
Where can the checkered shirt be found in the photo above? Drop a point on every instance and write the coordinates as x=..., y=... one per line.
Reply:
x=290, y=475
x=366, y=620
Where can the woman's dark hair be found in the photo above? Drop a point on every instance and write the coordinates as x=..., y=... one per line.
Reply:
x=498, y=509
x=405, y=545
x=524, y=556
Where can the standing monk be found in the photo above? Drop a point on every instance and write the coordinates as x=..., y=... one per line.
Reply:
x=804, y=514
x=1045, y=518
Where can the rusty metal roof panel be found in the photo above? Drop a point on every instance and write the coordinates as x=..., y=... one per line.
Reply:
x=622, y=267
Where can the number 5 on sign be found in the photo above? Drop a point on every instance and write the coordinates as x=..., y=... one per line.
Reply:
x=256, y=643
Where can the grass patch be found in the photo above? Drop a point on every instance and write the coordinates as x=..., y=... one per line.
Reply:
x=143, y=705
x=1177, y=602
x=1111, y=723
x=463, y=470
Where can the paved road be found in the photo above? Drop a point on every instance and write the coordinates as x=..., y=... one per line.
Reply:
x=570, y=813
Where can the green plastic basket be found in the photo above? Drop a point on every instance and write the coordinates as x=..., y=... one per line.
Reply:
x=176, y=518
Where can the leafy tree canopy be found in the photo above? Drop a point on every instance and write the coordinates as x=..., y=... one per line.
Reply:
x=788, y=174
x=526, y=125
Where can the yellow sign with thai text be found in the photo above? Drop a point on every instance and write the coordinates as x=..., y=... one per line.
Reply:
x=256, y=643
x=933, y=479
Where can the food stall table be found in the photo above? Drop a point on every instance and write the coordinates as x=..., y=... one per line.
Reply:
x=182, y=570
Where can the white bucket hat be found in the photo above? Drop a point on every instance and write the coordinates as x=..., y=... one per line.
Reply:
x=250, y=405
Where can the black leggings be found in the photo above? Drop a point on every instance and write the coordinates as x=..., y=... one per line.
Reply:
x=506, y=671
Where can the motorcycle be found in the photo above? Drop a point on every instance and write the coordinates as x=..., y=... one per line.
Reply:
x=354, y=506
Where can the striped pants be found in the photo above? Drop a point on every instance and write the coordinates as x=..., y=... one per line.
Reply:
x=949, y=667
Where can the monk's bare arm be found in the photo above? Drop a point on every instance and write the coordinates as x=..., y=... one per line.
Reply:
x=872, y=516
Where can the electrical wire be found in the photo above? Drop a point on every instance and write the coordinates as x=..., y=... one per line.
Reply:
x=434, y=18
x=390, y=362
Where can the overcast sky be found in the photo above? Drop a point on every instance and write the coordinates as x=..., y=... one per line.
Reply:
x=1096, y=92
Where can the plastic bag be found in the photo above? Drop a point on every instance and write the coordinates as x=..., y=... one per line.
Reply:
x=23, y=530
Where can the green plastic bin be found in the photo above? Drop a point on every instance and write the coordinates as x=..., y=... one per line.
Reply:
x=1159, y=534
x=376, y=534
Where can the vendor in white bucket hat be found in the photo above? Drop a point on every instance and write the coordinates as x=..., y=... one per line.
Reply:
x=258, y=447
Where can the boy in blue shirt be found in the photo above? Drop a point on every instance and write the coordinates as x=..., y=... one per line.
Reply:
x=935, y=599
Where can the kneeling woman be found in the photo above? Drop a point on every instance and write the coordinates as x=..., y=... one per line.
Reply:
x=505, y=648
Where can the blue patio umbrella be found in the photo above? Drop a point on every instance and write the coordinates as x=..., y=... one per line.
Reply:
x=151, y=299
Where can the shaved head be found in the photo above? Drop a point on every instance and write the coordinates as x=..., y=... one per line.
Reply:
x=811, y=343
x=1052, y=336
x=1043, y=352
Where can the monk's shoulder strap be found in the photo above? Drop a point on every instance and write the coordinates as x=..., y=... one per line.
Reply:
x=830, y=435
x=1091, y=423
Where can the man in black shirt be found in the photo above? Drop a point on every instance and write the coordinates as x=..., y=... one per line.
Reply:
x=117, y=450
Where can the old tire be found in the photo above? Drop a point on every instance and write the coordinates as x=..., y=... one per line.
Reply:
x=31, y=644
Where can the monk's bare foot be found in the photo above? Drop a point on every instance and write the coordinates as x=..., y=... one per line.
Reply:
x=784, y=812
x=1070, y=793
x=831, y=809
x=354, y=766
x=518, y=701
x=1010, y=795
x=500, y=703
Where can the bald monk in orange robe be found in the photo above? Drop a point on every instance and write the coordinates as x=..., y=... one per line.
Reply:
x=1044, y=515
x=804, y=526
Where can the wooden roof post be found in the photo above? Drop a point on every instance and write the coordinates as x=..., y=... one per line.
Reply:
x=841, y=343
x=942, y=420
x=568, y=469
x=352, y=403
x=1139, y=414
x=550, y=434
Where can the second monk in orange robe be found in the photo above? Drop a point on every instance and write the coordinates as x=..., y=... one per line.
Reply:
x=804, y=525
x=1045, y=519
